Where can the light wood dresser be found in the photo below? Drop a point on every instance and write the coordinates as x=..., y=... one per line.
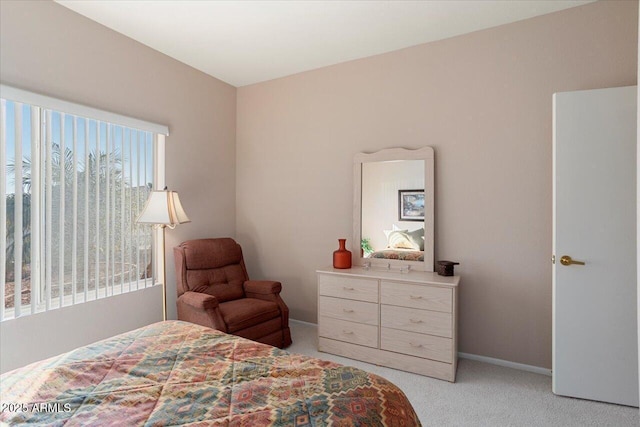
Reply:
x=405, y=321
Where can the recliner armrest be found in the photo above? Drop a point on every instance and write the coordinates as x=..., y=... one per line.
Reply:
x=199, y=300
x=262, y=287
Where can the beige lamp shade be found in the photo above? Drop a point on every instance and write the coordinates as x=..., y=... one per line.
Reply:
x=163, y=207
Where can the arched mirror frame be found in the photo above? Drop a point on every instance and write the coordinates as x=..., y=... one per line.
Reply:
x=395, y=154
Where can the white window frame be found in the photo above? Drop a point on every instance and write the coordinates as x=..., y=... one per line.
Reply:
x=44, y=102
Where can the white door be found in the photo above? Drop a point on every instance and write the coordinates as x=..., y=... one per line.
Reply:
x=595, y=341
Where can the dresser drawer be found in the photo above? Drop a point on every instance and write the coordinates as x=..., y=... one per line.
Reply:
x=345, y=309
x=417, y=296
x=356, y=333
x=416, y=320
x=348, y=287
x=427, y=346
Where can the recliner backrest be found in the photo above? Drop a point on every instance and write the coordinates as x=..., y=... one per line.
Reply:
x=211, y=266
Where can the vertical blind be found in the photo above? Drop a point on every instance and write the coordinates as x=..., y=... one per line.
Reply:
x=71, y=191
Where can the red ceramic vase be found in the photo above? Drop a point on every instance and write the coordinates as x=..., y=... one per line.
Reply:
x=342, y=257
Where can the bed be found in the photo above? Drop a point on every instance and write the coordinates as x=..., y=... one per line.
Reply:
x=179, y=373
x=403, y=245
x=400, y=254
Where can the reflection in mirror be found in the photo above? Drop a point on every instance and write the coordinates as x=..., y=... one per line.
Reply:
x=393, y=209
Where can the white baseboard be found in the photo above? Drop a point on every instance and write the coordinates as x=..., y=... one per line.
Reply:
x=506, y=363
x=485, y=359
x=303, y=322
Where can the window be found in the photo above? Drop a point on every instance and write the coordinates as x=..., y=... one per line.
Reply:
x=74, y=180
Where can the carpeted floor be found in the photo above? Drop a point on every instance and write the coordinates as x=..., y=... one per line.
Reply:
x=483, y=394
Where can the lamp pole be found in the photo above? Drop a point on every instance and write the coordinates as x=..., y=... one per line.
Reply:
x=164, y=274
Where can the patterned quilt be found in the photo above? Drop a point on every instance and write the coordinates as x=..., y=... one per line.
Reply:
x=181, y=374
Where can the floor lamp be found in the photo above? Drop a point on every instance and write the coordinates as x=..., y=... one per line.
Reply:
x=163, y=209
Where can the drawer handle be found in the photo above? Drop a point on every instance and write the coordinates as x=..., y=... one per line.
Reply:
x=346, y=288
x=415, y=321
x=347, y=310
x=415, y=345
x=415, y=297
x=347, y=332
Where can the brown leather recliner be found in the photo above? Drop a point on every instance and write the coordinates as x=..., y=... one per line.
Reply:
x=214, y=290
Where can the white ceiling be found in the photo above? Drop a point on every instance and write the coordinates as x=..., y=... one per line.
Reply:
x=245, y=42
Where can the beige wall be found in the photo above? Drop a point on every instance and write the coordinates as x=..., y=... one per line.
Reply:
x=49, y=49
x=483, y=101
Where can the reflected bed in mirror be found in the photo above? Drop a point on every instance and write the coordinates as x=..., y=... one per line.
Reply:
x=393, y=208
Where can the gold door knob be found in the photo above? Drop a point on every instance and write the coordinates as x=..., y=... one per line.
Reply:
x=566, y=260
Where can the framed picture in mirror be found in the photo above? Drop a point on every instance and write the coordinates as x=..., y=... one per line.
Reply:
x=410, y=205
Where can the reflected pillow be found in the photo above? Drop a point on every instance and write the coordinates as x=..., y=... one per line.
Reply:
x=417, y=238
x=394, y=227
x=400, y=240
x=405, y=239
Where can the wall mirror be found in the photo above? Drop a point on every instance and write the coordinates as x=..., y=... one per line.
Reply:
x=393, y=209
